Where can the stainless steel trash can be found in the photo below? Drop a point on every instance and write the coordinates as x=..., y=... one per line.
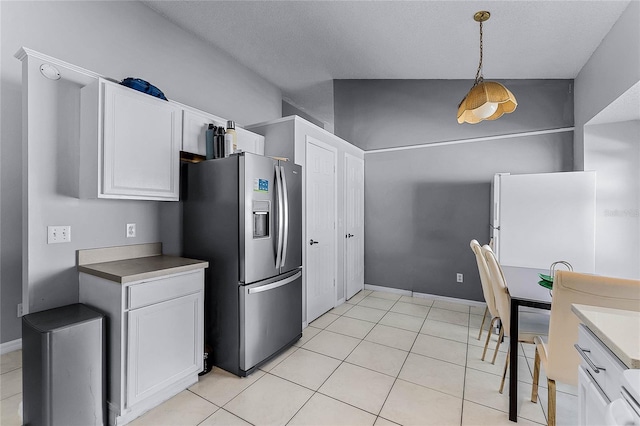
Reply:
x=64, y=367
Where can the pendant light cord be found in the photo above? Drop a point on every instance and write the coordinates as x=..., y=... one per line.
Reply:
x=479, y=76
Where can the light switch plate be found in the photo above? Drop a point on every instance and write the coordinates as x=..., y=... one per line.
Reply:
x=58, y=234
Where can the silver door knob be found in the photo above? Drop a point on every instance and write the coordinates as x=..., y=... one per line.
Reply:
x=311, y=242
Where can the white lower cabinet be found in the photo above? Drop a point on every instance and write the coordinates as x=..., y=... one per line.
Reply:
x=592, y=400
x=599, y=378
x=155, y=338
x=163, y=345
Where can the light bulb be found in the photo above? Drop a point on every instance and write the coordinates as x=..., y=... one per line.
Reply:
x=486, y=110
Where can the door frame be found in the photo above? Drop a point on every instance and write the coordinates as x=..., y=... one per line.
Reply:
x=334, y=150
x=344, y=218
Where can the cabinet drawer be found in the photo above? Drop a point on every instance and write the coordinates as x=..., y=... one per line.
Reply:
x=161, y=289
x=609, y=367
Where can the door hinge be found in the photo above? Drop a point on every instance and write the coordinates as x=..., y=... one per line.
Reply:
x=334, y=282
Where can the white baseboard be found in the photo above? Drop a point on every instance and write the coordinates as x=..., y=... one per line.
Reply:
x=11, y=346
x=423, y=295
x=387, y=289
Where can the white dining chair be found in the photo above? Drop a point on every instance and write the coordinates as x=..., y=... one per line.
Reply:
x=487, y=291
x=531, y=324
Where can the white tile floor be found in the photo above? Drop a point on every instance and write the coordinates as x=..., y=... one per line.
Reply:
x=378, y=359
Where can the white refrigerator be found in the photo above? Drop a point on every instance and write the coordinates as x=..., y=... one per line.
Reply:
x=538, y=219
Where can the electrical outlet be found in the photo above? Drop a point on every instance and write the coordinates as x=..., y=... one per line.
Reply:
x=58, y=234
x=131, y=230
x=19, y=310
x=459, y=277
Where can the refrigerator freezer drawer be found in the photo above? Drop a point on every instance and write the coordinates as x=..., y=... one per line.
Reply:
x=270, y=317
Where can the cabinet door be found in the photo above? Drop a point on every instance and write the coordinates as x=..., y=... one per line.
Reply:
x=194, y=127
x=354, y=225
x=165, y=344
x=141, y=145
x=592, y=402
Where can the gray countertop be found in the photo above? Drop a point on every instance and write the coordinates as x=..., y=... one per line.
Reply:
x=129, y=270
x=134, y=263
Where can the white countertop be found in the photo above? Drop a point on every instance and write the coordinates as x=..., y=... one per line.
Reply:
x=619, y=330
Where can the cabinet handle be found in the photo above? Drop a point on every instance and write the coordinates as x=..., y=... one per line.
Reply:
x=583, y=354
x=311, y=242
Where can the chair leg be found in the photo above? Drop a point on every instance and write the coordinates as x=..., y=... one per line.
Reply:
x=536, y=378
x=495, y=353
x=484, y=317
x=551, y=420
x=486, y=344
x=504, y=372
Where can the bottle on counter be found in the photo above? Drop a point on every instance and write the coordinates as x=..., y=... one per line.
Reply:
x=220, y=143
x=210, y=136
x=231, y=138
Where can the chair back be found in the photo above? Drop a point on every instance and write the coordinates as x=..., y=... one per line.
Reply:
x=583, y=289
x=485, y=278
x=500, y=292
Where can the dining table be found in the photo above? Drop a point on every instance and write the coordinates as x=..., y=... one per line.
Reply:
x=524, y=290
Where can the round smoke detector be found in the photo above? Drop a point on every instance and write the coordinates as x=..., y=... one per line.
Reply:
x=50, y=71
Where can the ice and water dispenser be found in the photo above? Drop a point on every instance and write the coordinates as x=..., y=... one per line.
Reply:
x=261, y=213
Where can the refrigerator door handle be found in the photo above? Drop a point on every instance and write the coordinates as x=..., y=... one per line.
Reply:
x=285, y=195
x=280, y=217
x=276, y=284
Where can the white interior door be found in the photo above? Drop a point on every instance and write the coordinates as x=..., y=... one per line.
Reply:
x=320, y=227
x=354, y=225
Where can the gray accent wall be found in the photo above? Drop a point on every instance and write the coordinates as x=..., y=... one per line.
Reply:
x=118, y=40
x=374, y=114
x=424, y=204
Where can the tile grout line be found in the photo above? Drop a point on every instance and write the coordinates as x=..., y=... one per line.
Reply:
x=466, y=363
x=403, y=364
x=342, y=361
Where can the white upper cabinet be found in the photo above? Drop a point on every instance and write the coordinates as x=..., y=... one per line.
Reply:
x=130, y=144
x=195, y=124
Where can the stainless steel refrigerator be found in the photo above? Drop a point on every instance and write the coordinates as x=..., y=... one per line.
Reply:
x=243, y=214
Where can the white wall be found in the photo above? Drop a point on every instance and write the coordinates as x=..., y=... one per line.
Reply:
x=613, y=68
x=612, y=72
x=614, y=151
x=118, y=40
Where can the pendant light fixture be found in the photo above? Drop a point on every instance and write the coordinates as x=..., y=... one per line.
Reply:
x=487, y=100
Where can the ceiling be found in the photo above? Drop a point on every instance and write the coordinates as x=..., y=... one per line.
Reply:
x=301, y=46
